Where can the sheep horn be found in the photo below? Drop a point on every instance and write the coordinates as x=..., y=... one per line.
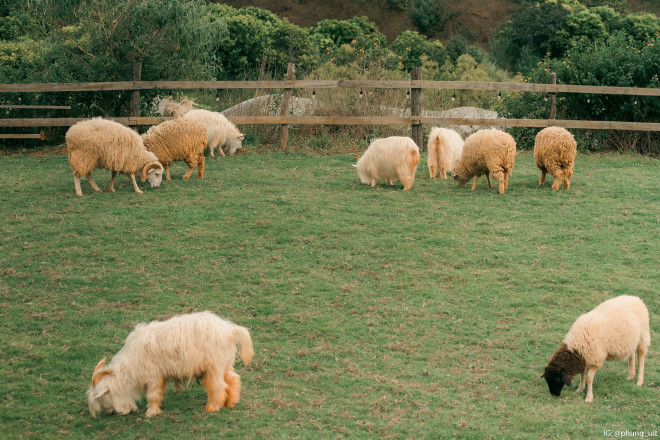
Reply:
x=99, y=372
x=356, y=156
x=149, y=166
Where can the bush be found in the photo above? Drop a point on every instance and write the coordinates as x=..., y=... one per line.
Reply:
x=430, y=16
x=410, y=46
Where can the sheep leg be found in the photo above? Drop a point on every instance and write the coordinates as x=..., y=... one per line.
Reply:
x=373, y=182
x=167, y=172
x=200, y=167
x=216, y=389
x=474, y=183
x=542, y=179
x=233, y=387
x=432, y=171
x=559, y=178
x=76, y=184
x=154, y=397
x=191, y=168
x=93, y=184
x=112, y=182
x=580, y=388
x=135, y=185
x=631, y=366
x=443, y=172
x=407, y=184
x=390, y=182
x=641, y=353
x=591, y=372
x=490, y=185
x=568, y=174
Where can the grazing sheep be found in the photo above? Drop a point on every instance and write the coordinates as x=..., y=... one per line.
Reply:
x=554, y=152
x=197, y=345
x=177, y=110
x=178, y=139
x=389, y=158
x=102, y=143
x=221, y=132
x=486, y=152
x=614, y=330
x=445, y=147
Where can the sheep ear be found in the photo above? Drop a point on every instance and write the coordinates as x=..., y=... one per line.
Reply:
x=148, y=168
x=101, y=390
x=565, y=378
x=356, y=156
x=241, y=136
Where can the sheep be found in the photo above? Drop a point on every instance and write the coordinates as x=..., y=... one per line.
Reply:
x=197, y=345
x=221, y=132
x=489, y=152
x=554, y=152
x=444, y=149
x=177, y=110
x=178, y=139
x=614, y=330
x=102, y=143
x=395, y=157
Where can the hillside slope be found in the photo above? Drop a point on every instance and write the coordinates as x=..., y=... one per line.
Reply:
x=476, y=20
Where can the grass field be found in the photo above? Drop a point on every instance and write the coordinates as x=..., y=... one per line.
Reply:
x=375, y=313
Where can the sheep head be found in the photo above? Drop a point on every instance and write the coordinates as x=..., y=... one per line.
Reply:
x=556, y=380
x=154, y=172
x=107, y=393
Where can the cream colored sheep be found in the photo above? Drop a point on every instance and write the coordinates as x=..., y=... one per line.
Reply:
x=102, y=143
x=614, y=330
x=391, y=158
x=197, y=345
x=554, y=153
x=177, y=109
x=489, y=152
x=221, y=132
x=178, y=139
x=444, y=147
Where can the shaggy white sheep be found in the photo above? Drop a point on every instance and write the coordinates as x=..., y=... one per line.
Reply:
x=178, y=139
x=554, y=153
x=391, y=158
x=221, y=132
x=177, y=109
x=102, y=143
x=444, y=147
x=197, y=345
x=614, y=330
x=489, y=152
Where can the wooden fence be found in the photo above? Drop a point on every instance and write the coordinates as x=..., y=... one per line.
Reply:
x=415, y=85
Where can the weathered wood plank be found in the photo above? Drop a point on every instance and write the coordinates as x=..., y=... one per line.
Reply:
x=589, y=125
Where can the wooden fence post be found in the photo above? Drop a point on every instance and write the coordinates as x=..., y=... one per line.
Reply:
x=284, y=105
x=553, y=97
x=134, y=111
x=416, y=106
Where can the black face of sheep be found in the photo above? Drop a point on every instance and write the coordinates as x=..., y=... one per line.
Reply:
x=556, y=381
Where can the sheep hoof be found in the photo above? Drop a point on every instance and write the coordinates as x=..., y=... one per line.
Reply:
x=153, y=412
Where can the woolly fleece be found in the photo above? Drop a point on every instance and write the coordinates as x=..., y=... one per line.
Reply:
x=554, y=153
x=445, y=147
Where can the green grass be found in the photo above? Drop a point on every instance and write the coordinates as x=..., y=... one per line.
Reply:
x=375, y=313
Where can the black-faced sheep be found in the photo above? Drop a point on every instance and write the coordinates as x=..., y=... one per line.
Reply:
x=445, y=147
x=554, y=153
x=102, y=143
x=615, y=330
x=489, y=152
x=178, y=139
x=221, y=132
x=391, y=158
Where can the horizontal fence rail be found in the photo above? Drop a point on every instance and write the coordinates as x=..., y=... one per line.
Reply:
x=415, y=86
x=327, y=84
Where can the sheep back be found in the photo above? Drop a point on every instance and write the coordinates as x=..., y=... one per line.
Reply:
x=177, y=140
x=444, y=149
x=391, y=158
x=102, y=143
x=554, y=152
x=487, y=151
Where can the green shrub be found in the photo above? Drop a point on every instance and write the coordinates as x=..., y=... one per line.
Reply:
x=430, y=16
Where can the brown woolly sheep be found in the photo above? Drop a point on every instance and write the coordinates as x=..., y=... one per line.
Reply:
x=614, y=330
x=175, y=140
x=102, y=143
x=486, y=152
x=554, y=153
x=395, y=157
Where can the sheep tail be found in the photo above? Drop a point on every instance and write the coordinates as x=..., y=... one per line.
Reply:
x=244, y=342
